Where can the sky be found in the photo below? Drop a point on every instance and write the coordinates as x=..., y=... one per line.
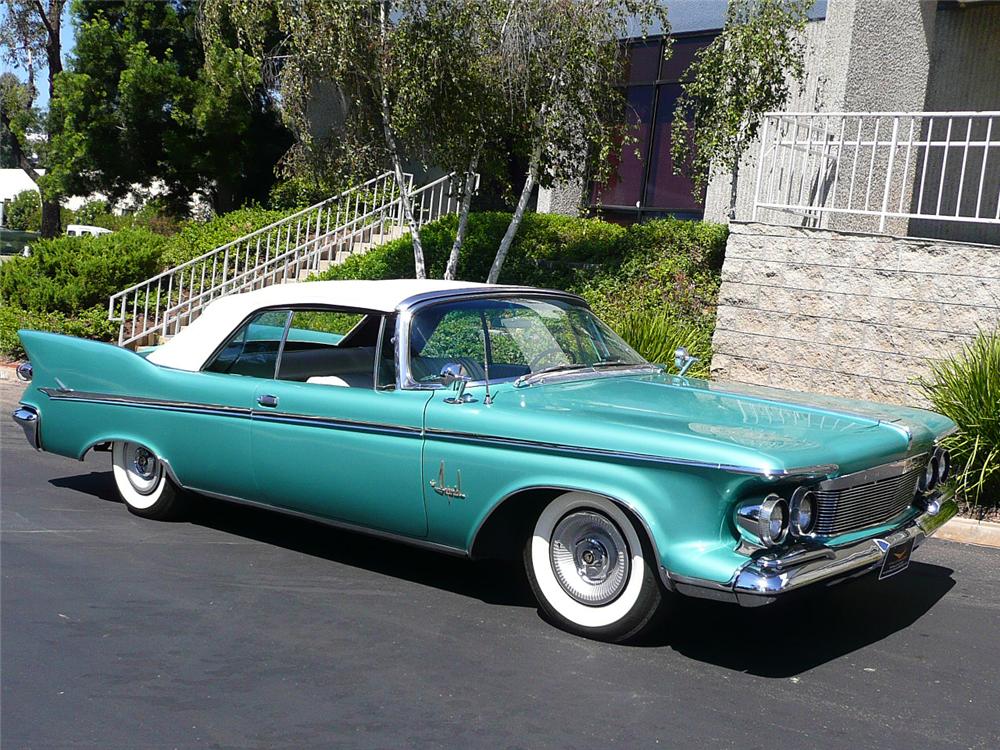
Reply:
x=68, y=38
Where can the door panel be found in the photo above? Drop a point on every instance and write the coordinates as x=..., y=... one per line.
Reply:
x=206, y=437
x=350, y=454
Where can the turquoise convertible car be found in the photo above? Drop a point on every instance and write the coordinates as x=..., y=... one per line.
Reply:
x=500, y=421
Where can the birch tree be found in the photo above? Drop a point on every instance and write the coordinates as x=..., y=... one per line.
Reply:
x=359, y=46
x=746, y=71
x=562, y=62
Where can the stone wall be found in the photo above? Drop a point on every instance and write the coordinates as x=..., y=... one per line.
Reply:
x=855, y=315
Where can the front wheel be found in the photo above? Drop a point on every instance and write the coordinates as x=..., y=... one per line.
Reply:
x=590, y=570
x=143, y=483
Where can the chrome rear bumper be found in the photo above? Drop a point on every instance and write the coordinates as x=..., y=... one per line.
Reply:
x=762, y=580
x=27, y=418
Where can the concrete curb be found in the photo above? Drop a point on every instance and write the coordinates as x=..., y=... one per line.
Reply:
x=970, y=531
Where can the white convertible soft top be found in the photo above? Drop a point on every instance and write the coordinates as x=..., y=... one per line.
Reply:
x=189, y=349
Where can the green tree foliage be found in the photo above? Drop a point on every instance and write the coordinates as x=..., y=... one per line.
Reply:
x=24, y=213
x=30, y=40
x=746, y=71
x=143, y=99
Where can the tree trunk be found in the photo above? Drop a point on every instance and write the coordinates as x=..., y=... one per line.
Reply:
x=420, y=268
x=52, y=20
x=515, y=221
x=734, y=182
x=51, y=220
x=451, y=271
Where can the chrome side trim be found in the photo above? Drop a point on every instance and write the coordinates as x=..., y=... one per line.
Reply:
x=330, y=423
x=140, y=402
x=508, y=442
x=233, y=411
x=804, y=472
x=27, y=418
x=874, y=474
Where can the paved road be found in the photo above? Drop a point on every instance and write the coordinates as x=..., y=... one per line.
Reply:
x=246, y=629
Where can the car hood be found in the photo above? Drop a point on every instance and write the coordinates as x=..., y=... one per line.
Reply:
x=764, y=429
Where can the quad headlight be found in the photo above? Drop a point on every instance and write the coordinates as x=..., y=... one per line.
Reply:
x=767, y=520
x=803, y=512
x=937, y=471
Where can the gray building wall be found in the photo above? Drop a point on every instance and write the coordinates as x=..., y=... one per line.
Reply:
x=889, y=56
x=848, y=314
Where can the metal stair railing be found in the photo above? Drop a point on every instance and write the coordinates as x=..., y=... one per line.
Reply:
x=325, y=233
x=164, y=302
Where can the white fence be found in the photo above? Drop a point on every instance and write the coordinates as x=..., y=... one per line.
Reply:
x=878, y=167
x=309, y=240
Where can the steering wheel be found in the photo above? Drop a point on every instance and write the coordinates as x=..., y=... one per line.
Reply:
x=541, y=359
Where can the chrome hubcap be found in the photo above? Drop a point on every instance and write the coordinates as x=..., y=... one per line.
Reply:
x=589, y=558
x=142, y=467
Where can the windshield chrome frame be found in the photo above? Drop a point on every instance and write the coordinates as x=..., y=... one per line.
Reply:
x=411, y=306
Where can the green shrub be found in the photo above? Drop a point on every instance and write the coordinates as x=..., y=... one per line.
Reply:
x=196, y=238
x=69, y=274
x=657, y=336
x=91, y=323
x=967, y=390
x=24, y=212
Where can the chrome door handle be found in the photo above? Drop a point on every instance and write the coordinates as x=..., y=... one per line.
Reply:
x=267, y=400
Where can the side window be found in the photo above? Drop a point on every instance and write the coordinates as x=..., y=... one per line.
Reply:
x=253, y=349
x=454, y=337
x=387, y=355
x=331, y=348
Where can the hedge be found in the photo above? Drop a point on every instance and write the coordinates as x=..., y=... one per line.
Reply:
x=65, y=284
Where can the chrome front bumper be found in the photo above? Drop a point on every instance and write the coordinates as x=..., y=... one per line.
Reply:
x=27, y=418
x=763, y=579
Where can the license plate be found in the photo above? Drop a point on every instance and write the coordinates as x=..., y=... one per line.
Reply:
x=897, y=558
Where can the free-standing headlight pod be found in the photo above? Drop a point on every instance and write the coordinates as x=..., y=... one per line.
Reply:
x=929, y=479
x=943, y=459
x=768, y=520
x=802, y=512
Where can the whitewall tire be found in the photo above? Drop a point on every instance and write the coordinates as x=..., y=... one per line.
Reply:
x=591, y=570
x=142, y=482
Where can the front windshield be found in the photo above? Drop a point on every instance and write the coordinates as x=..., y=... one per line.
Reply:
x=513, y=337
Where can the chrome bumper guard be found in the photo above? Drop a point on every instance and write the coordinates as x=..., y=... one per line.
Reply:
x=27, y=418
x=763, y=579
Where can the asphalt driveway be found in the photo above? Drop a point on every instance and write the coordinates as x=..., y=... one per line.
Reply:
x=242, y=629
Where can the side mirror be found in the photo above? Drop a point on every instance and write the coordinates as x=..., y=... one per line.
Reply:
x=451, y=374
x=683, y=360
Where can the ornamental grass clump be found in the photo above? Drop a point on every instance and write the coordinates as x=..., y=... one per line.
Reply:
x=966, y=389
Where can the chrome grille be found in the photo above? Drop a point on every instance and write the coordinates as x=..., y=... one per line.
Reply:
x=869, y=504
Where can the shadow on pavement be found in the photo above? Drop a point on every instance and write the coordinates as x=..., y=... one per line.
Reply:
x=780, y=640
x=100, y=484
x=810, y=628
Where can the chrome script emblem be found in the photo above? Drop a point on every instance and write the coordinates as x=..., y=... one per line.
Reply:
x=442, y=489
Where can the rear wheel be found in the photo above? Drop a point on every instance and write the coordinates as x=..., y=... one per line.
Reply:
x=591, y=569
x=143, y=484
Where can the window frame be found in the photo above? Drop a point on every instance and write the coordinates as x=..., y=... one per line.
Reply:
x=303, y=307
x=404, y=323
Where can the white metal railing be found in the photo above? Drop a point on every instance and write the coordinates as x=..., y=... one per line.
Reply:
x=939, y=166
x=308, y=240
